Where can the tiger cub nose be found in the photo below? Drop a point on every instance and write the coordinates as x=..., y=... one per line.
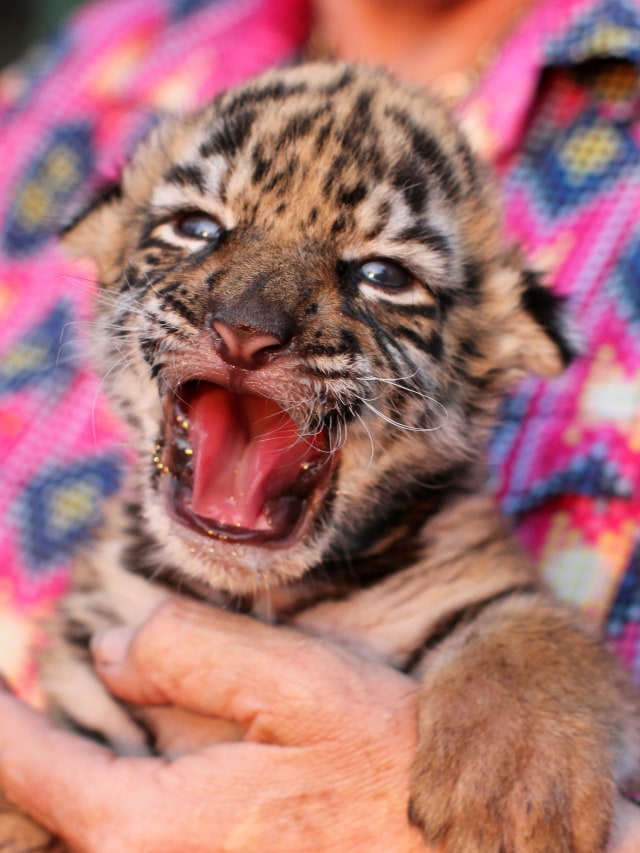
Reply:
x=245, y=346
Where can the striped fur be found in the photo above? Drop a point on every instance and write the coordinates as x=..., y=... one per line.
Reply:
x=346, y=219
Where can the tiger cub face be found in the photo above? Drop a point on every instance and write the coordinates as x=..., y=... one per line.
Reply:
x=308, y=317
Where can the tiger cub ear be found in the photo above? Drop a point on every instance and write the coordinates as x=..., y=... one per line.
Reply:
x=536, y=337
x=99, y=232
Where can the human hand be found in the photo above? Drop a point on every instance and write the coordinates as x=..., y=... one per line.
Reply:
x=324, y=765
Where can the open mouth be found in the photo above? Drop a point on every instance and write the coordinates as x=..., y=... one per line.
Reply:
x=240, y=469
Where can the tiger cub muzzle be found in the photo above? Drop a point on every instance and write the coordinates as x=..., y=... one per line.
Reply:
x=238, y=467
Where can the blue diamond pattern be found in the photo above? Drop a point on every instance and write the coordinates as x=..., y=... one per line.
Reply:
x=591, y=475
x=62, y=165
x=611, y=29
x=60, y=508
x=626, y=281
x=576, y=163
x=42, y=355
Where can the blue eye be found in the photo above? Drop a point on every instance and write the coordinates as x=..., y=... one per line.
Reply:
x=199, y=226
x=386, y=274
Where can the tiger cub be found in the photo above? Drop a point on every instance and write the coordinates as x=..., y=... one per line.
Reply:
x=308, y=318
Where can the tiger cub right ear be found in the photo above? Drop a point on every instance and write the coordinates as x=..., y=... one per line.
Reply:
x=98, y=232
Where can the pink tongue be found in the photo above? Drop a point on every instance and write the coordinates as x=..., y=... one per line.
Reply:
x=246, y=452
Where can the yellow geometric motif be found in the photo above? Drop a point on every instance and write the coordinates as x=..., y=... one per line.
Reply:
x=59, y=170
x=73, y=504
x=610, y=40
x=590, y=151
x=25, y=357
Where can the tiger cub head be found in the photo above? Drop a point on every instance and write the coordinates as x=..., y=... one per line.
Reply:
x=308, y=316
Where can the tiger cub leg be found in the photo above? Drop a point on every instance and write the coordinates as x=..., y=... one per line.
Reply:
x=525, y=730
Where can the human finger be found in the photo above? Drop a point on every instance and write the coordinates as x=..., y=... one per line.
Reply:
x=102, y=803
x=231, y=797
x=65, y=782
x=220, y=664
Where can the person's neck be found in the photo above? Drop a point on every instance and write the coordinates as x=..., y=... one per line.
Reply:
x=418, y=41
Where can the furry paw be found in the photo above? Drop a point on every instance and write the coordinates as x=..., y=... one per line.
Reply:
x=524, y=733
x=502, y=794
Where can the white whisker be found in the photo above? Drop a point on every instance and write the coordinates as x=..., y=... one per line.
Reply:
x=401, y=425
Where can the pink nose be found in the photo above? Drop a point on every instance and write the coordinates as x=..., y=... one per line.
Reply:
x=244, y=346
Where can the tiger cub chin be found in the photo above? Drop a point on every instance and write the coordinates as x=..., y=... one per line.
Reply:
x=308, y=317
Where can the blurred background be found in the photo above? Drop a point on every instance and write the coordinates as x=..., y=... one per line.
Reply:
x=24, y=21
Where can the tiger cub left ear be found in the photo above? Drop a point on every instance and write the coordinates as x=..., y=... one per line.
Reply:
x=535, y=333
x=99, y=232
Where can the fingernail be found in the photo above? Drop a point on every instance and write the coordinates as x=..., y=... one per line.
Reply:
x=109, y=647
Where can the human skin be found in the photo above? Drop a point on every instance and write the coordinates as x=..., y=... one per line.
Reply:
x=324, y=764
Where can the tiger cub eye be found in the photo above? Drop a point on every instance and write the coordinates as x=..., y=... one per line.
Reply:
x=386, y=274
x=199, y=226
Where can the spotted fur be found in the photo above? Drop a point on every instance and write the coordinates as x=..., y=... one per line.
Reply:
x=325, y=239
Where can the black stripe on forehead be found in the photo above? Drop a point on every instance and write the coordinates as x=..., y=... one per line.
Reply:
x=346, y=78
x=187, y=174
x=299, y=125
x=359, y=127
x=269, y=92
x=383, y=213
x=230, y=135
x=426, y=149
x=427, y=236
x=408, y=177
x=337, y=167
x=352, y=196
x=261, y=163
x=323, y=135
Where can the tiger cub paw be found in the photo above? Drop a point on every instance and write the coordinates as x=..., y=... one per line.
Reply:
x=495, y=787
